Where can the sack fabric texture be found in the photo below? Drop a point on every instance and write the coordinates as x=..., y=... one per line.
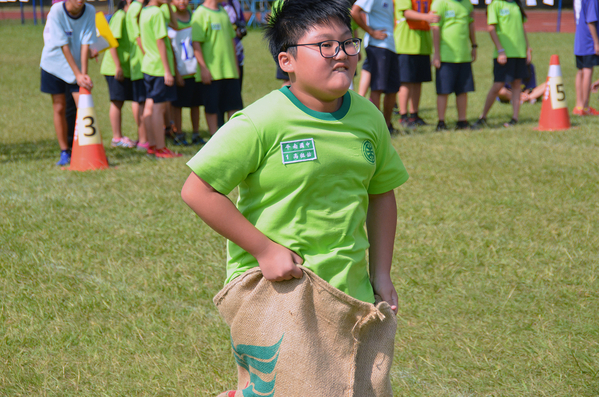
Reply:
x=303, y=337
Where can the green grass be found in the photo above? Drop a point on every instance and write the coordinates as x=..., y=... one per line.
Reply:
x=107, y=278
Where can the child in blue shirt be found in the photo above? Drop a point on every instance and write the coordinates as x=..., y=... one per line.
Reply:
x=70, y=29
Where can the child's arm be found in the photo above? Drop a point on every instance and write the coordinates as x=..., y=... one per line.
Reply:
x=436, y=45
x=356, y=13
x=118, y=74
x=501, y=57
x=169, y=80
x=83, y=80
x=173, y=22
x=472, y=38
x=381, y=222
x=204, y=71
x=276, y=262
x=529, y=50
x=141, y=47
x=593, y=31
x=429, y=17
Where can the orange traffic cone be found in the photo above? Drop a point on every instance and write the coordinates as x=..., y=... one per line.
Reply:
x=88, y=151
x=554, y=112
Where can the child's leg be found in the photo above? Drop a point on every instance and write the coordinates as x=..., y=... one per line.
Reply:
x=462, y=105
x=148, y=113
x=375, y=97
x=194, y=112
x=442, y=106
x=158, y=115
x=212, y=121
x=176, y=116
x=491, y=98
x=364, y=82
x=504, y=94
x=402, y=98
x=516, y=90
x=59, y=104
x=415, y=91
x=138, y=110
x=388, y=104
x=579, y=94
x=115, y=119
x=587, y=80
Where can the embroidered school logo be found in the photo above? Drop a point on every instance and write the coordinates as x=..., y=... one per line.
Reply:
x=69, y=33
x=215, y=26
x=261, y=359
x=298, y=151
x=450, y=14
x=368, y=152
x=504, y=11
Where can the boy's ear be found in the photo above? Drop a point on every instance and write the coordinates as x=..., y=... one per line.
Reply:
x=285, y=62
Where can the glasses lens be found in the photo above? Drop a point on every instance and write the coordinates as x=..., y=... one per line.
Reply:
x=352, y=46
x=329, y=48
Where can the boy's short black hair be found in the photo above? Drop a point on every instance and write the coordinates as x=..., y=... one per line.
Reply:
x=290, y=19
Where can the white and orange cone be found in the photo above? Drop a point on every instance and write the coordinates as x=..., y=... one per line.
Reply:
x=88, y=151
x=554, y=111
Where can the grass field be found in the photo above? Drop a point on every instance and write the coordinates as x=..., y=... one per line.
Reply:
x=107, y=278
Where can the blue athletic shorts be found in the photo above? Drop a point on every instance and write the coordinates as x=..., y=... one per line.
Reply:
x=119, y=90
x=514, y=69
x=586, y=61
x=158, y=91
x=366, y=65
x=222, y=96
x=190, y=95
x=384, y=67
x=51, y=84
x=454, y=78
x=414, y=68
x=139, y=91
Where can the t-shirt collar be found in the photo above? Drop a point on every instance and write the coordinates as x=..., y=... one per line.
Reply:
x=336, y=115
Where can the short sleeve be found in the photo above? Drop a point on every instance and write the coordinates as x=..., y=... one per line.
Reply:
x=591, y=11
x=390, y=171
x=54, y=33
x=88, y=36
x=158, y=24
x=233, y=153
x=403, y=5
x=116, y=25
x=492, y=14
x=131, y=16
x=366, y=5
x=198, y=31
x=439, y=9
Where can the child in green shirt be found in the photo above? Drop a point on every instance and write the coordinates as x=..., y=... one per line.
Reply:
x=314, y=165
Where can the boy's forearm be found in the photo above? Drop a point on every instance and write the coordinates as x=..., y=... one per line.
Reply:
x=415, y=15
x=436, y=38
x=218, y=212
x=84, y=58
x=381, y=222
x=70, y=60
x=472, y=34
x=494, y=37
x=115, y=57
x=141, y=47
x=197, y=51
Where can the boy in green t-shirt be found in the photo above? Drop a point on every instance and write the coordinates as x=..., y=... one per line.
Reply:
x=314, y=165
x=213, y=41
x=453, y=56
x=159, y=73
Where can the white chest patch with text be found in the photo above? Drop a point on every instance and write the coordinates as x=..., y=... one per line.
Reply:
x=298, y=151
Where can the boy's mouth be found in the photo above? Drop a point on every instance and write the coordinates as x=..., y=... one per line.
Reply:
x=340, y=68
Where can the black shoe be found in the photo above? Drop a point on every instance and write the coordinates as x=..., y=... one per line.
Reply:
x=510, y=123
x=196, y=139
x=441, y=126
x=480, y=124
x=418, y=121
x=408, y=124
x=179, y=140
x=463, y=125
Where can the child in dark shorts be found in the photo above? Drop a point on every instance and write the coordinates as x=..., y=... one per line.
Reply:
x=512, y=54
x=453, y=57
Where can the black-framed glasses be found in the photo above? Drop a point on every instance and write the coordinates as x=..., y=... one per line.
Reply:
x=330, y=48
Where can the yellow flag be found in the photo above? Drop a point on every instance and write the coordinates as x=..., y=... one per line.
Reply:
x=104, y=39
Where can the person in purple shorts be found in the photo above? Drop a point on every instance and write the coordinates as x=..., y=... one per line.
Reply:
x=586, y=50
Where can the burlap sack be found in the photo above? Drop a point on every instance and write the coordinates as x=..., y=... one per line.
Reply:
x=304, y=337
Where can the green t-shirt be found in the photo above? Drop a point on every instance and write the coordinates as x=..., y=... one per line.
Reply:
x=454, y=25
x=410, y=41
x=215, y=33
x=135, y=54
x=119, y=31
x=152, y=27
x=304, y=181
x=508, y=21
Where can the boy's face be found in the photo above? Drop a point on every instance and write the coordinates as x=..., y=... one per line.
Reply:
x=325, y=79
x=75, y=6
x=180, y=4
